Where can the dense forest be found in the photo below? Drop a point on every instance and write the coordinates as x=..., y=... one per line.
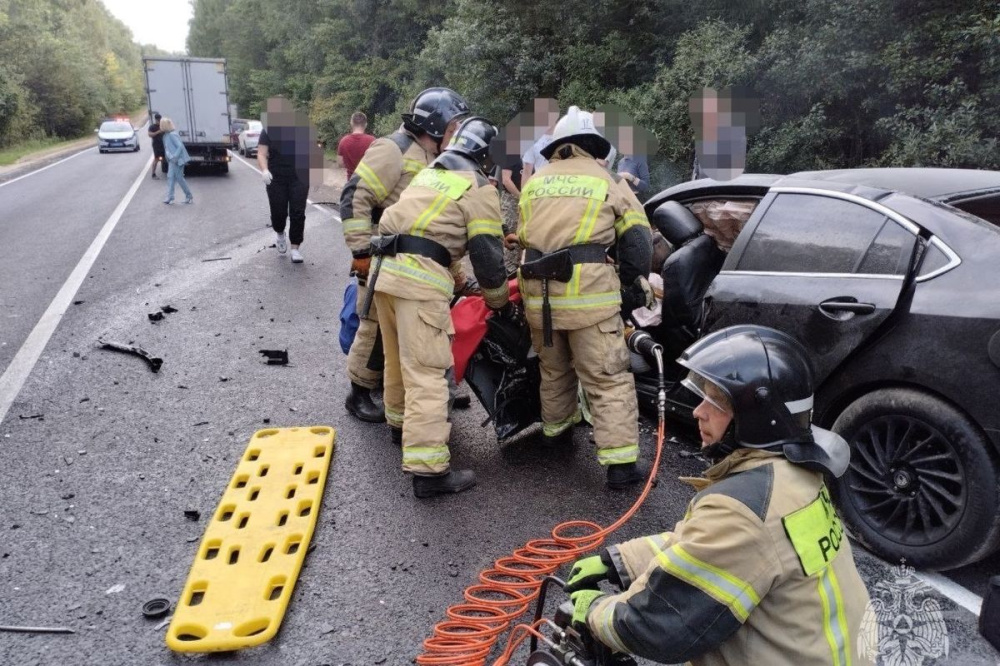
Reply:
x=63, y=65
x=842, y=83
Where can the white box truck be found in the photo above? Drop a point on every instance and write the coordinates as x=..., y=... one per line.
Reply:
x=194, y=93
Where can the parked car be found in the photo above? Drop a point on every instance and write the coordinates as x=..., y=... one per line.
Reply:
x=115, y=136
x=891, y=278
x=235, y=128
x=249, y=138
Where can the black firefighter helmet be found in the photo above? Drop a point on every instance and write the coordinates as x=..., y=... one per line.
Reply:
x=473, y=139
x=768, y=380
x=432, y=110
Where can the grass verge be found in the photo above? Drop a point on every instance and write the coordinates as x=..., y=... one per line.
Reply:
x=13, y=153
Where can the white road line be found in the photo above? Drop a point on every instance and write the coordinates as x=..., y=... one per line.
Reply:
x=965, y=598
x=27, y=356
x=308, y=201
x=32, y=173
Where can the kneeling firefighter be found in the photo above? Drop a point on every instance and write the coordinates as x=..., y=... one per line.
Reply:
x=448, y=209
x=760, y=570
x=386, y=169
x=573, y=211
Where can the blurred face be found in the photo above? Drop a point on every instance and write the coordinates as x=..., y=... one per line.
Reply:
x=712, y=418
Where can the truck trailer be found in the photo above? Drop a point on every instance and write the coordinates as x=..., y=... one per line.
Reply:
x=194, y=93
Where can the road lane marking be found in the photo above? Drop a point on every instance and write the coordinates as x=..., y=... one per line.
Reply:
x=27, y=356
x=308, y=201
x=49, y=166
x=963, y=597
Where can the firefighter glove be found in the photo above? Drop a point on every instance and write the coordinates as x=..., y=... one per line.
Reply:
x=586, y=574
x=360, y=266
x=582, y=601
x=266, y=176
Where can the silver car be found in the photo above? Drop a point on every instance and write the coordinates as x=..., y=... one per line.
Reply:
x=117, y=136
x=249, y=138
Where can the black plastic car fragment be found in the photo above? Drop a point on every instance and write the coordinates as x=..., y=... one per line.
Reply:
x=275, y=356
x=153, y=362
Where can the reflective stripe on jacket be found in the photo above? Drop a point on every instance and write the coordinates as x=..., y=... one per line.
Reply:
x=758, y=572
x=459, y=210
x=573, y=201
x=379, y=180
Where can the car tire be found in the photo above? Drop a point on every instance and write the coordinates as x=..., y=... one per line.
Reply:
x=224, y=167
x=242, y=152
x=923, y=484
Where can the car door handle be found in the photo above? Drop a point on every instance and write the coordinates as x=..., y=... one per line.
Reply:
x=844, y=305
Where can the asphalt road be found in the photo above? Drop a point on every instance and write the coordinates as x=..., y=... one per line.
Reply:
x=100, y=458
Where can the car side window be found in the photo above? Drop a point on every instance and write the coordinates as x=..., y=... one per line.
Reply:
x=804, y=233
x=890, y=252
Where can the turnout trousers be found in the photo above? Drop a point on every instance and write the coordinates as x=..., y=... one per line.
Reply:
x=364, y=360
x=597, y=358
x=417, y=341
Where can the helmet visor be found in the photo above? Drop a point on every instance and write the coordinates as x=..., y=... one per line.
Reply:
x=708, y=391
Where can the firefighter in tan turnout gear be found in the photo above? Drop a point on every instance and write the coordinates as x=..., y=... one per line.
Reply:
x=449, y=208
x=760, y=570
x=386, y=169
x=573, y=211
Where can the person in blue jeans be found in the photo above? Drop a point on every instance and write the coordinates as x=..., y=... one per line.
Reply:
x=177, y=157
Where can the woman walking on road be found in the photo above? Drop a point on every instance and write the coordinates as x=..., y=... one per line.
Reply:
x=177, y=157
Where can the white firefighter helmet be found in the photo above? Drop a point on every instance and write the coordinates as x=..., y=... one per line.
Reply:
x=578, y=127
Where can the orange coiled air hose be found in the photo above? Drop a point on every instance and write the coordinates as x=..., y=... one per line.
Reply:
x=505, y=591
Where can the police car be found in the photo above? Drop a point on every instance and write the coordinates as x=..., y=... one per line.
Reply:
x=117, y=135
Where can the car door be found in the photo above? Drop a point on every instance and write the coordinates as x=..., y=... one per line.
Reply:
x=826, y=267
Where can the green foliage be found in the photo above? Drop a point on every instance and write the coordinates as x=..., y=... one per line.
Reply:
x=842, y=83
x=63, y=64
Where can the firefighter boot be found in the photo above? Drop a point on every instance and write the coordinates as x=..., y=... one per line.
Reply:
x=454, y=481
x=625, y=475
x=360, y=404
x=562, y=441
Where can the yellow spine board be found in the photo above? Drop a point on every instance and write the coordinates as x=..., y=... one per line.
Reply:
x=253, y=548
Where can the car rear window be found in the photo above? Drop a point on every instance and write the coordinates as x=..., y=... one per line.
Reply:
x=802, y=233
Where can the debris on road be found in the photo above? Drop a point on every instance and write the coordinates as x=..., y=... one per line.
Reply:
x=164, y=623
x=41, y=417
x=200, y=423
x=216, y=259
x=168, y=309
x=153, y=362
x=79, y=302
x=36, y=630
x=155, y=316
x=192, y=514
x=275, y=356
x=115, y=589
x=156, y=608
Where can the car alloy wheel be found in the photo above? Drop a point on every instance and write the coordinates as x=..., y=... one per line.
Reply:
x=906, y=479
x=923, y=484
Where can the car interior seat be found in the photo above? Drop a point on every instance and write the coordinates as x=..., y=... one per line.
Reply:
x=687, y=272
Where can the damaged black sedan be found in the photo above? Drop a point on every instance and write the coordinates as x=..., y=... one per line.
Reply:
x=891, y=278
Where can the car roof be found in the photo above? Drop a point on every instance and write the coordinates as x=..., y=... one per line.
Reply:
x=945, y=185
x=924, y=182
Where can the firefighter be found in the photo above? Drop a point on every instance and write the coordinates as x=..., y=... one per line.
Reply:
x=387, y=167
x=573, y=211
x=760, y=571
x=448, y=209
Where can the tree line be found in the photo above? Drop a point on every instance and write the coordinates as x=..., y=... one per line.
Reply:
x=64, y=64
